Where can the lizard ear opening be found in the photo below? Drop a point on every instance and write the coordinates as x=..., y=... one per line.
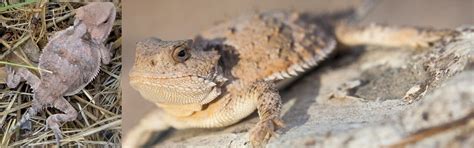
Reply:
x=181, y=54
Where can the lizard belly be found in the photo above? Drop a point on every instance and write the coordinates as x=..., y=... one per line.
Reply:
x=74, y=90
x=221, y=112
x=87, y=69
x=180, y=110
x=88, y=74
x=73, y=64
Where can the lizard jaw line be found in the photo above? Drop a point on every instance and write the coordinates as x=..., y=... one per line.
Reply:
x=142, y=75
x=141, y=79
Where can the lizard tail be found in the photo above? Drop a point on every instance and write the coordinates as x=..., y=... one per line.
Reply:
x=391, y=36
x=26, y=117
x=349, y=33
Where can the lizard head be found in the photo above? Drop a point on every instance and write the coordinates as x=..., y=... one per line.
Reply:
x=99, y=18
x=175, y=72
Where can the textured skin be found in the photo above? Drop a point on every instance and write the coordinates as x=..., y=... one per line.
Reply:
x=287, y=43
x=230, y=70
x=74, y=57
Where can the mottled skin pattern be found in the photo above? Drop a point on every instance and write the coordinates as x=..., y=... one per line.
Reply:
x=73, y=56
x=227, y=72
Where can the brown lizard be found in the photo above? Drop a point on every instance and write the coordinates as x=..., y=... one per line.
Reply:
x=73, y=57
x=230, y=70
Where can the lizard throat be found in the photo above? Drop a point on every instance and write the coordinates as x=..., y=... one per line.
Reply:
x=182, y=90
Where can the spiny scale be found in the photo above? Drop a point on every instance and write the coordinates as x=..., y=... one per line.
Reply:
x=302, y=67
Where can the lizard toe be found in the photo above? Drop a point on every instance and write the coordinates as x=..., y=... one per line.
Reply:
x=264, y=130
x=12, y=79
x=52, y=124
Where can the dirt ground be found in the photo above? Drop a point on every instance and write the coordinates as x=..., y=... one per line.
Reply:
x=385, y=74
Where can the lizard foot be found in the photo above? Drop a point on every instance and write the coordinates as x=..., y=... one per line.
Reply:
x=12, y=78
x=53, y=124
x=53, y=121
x=15, y=76
x=264, y=130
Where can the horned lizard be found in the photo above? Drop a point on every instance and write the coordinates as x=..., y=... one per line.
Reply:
x=227, y=72
x=73, y=57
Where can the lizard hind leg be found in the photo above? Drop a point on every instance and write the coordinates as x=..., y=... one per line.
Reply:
x=69, y=114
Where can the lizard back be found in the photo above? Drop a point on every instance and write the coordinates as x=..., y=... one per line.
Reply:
x=269, y=46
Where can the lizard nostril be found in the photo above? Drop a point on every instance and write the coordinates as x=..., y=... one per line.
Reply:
x=152, y=63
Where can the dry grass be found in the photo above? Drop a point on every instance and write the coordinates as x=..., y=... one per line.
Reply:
x=99, y=104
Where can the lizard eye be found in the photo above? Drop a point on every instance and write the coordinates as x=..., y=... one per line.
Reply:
x=181, y=54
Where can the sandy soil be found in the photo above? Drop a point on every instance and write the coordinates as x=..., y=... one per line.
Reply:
x=386, y=74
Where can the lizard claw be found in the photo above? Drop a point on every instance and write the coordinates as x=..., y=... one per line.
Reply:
x=54, y=126
x=12, y=79
x=264, y=130
x=58, y=138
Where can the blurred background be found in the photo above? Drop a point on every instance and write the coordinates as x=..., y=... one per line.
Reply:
x=182, y=19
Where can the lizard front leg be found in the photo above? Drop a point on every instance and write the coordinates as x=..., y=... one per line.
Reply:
x=15, y=76
x=69, y=114
x=153, y=122
x=268, y=105
x=105, y=54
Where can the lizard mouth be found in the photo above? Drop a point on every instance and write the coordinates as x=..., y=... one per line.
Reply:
x=177, y=89
x=151, y=75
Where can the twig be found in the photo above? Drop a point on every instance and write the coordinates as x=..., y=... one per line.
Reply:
x=25, y=66
x=10, y=50
x=4, y=8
